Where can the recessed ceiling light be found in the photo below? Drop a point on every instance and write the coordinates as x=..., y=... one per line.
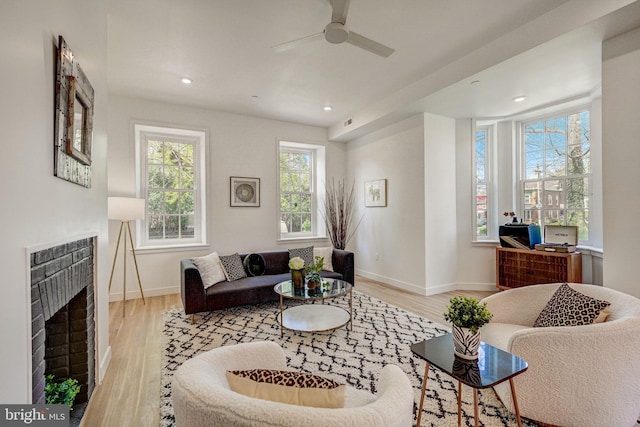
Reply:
x=327, y=108
x=186, y=80
x=519, y=98
x=475, y=82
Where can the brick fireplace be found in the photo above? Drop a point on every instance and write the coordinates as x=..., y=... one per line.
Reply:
x=62, y=317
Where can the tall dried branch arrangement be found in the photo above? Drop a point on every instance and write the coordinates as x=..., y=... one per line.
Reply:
x=338, y=213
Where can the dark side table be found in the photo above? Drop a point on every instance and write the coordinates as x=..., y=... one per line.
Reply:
x=492, y=367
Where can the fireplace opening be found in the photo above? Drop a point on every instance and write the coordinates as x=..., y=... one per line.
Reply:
x=62, y=319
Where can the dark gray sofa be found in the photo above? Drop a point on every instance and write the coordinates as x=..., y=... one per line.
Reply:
x=250, y=290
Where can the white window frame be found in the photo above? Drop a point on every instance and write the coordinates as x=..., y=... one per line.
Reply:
x=522, y=162
x=318, y=178
x=142, y=132
x=489, y=181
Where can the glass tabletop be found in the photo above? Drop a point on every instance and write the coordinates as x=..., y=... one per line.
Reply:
x=330, y=288
x=492, y=367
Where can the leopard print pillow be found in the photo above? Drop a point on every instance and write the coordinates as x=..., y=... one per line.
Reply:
x=295, y=388
x=568, y=307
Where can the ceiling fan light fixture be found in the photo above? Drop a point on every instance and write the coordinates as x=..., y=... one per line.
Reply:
x=336, y=33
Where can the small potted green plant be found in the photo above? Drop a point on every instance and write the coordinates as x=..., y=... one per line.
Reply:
x=467, y=316
x=314, y=279
x=62, y=392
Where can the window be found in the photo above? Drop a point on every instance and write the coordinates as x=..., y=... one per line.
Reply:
x=481, y=182
x=557, y=171
x=171, y=179
x=300, y=170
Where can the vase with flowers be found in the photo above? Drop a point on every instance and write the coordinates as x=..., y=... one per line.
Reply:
x=296, y=267
x=467, y=315
x=514, y=218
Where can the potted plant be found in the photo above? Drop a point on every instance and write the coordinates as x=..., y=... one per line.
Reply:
x=63, y=392
x=467, y=315
x=296, y=267
x=314, y=280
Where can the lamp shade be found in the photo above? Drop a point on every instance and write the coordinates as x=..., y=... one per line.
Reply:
x=125, y=208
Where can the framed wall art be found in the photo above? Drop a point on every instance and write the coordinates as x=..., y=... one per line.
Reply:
x=244, y=192
x=73, y=125
x=375, y=193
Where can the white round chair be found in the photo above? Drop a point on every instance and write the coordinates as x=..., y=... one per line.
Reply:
x=578, y=376
x=202, y=397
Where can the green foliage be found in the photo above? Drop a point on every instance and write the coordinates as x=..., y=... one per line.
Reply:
x=467, y=312
x=63, y=392
x=295, y=190
x=171, y=204
x=312, y=271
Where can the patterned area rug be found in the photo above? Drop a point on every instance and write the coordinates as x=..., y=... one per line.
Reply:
x=381, y=334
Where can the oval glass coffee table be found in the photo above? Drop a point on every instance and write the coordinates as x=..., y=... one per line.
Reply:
x=315, y=317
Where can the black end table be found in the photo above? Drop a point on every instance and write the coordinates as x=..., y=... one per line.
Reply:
x=492, y=367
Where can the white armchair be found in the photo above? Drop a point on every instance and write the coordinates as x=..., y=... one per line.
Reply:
x=578, y=375
x=201, y=394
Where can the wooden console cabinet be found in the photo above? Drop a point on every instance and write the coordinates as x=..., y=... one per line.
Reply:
x=521, y=267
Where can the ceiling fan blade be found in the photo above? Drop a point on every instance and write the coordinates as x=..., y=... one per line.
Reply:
x=370, y=45
x=298, y=42
x=340, y=10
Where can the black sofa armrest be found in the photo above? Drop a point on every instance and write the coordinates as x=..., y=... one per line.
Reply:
x=343, y=263
x=192, y=291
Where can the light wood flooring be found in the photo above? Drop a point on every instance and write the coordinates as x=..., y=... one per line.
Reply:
x=130, y=392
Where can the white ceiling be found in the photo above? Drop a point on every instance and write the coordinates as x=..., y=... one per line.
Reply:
x=226, y=48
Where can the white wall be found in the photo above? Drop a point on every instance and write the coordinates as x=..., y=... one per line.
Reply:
x=621, y=151
x=441, y=255
x=389, y=244
x=38, y=208
x=238, y=146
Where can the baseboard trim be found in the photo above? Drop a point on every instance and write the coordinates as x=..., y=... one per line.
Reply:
x=410, y=287
x=135, y=294
x=104, y=364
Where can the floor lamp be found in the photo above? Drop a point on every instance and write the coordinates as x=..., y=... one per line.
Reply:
x=125, y=209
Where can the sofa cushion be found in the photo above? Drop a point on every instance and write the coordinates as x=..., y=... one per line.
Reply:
x=499, y=334
x=254, y=264
x=296, y=388
x=305, y=253
x=233, y=267
x=325, y=253
x=568, y=307
x=210, y=269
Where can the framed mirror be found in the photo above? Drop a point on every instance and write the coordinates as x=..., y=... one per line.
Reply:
x=79, y=123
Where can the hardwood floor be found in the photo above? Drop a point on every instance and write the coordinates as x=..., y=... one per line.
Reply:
x=130, y=392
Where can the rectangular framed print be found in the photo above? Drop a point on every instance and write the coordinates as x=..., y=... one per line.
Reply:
x=244, y=192
x=375, y=193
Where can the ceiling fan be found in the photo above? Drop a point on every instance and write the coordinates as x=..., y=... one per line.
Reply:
x=336, y=32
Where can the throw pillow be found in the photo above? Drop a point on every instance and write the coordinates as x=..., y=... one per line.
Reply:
x=295, y=388
x=568, y=307
x=604, y=314
x=305, y=253
x=325, y=253
x=233, y=267
x=254, y=264
x=210, y=269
